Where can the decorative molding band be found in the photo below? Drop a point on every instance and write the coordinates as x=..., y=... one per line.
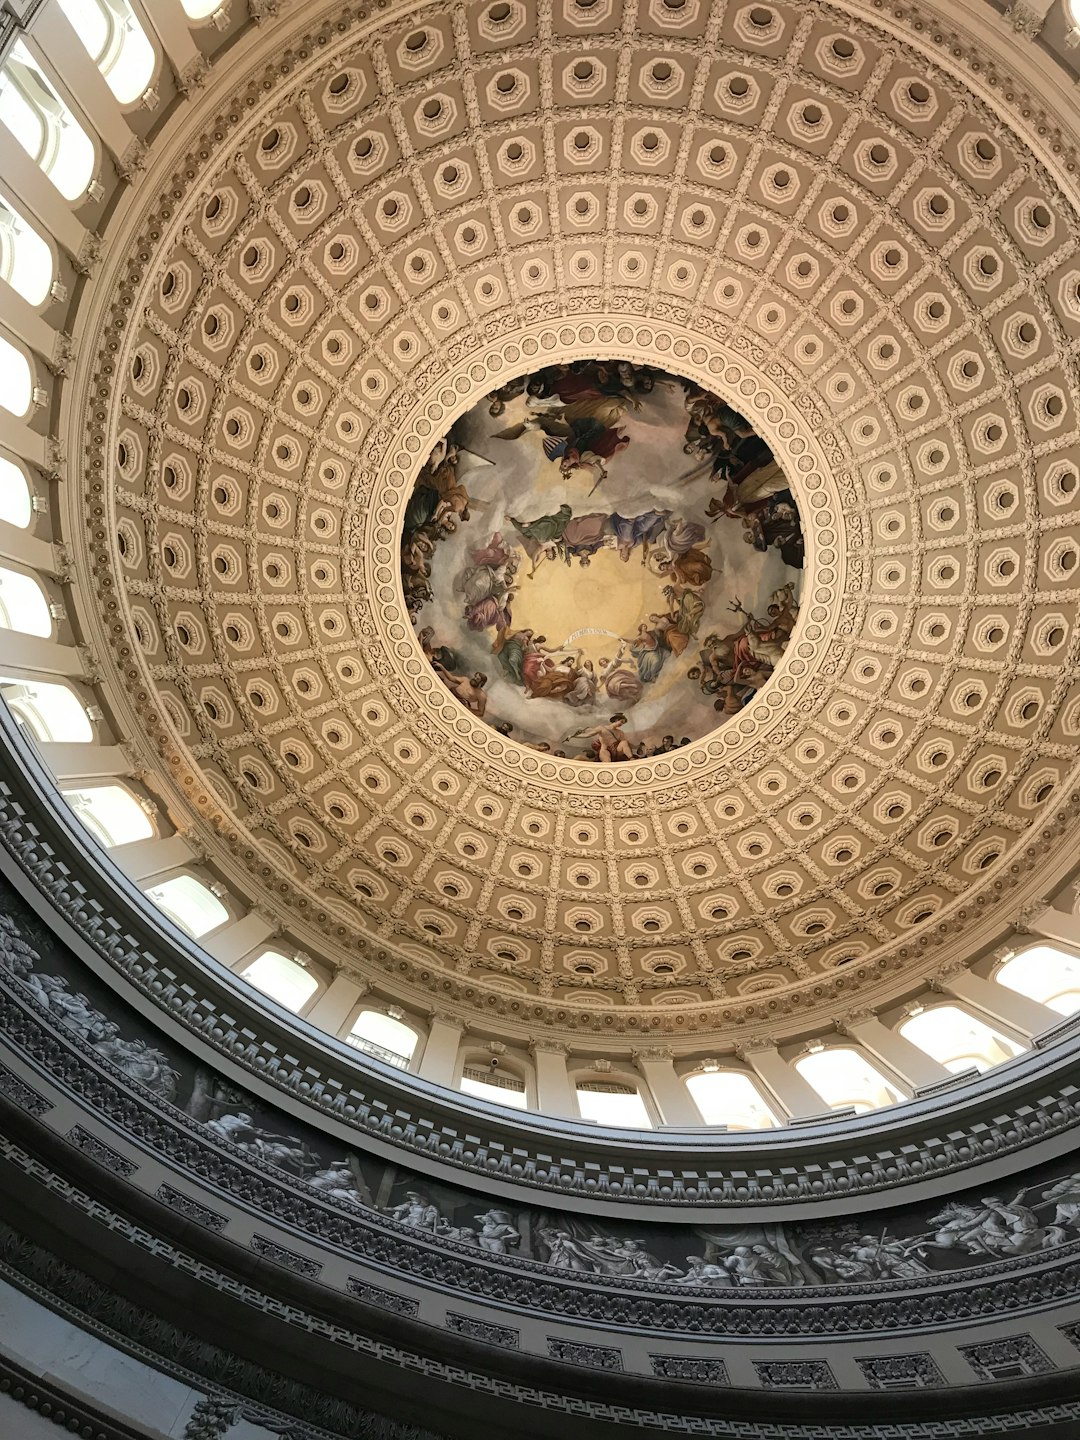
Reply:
x=690, y=1367
x=413, y=1238
x=22, y=1094
x=852, y=1157
x=191, y=1209
x=902, y=1372
x=384, y=1299
x=299, y=1264
x=104, y=1154
x=596, y=1357
x=490, y=1333
x=795, y=1375
x=132, y=1328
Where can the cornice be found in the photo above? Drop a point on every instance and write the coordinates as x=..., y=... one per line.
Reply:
x=284, y=1301
x=902, y=1148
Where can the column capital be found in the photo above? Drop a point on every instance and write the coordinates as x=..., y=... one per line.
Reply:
x=1024, y=917
x=548, y=1047
x=267, y=918
x=449, y=1018
x=754, y=1045
x=653, y=1052
x=91, y=670
x=1025, y=19
x=193, y=74
x=947, y=971
x=853, y=1019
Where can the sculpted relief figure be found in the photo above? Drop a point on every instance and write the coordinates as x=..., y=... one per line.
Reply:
x=15, y=953
x=962, y=1233
x=339, y=1182
x=497, y=1233
x=885, y=1258
x=703, y=1272
x=141, y=1062
x=463, y=1234
x=1065, y=1195
x=284, y=1151
x=135, y=1058
x=564, y=1252
x=998, y=1228
x=417, y=1212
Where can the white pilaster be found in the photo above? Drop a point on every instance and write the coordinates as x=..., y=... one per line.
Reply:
x=439, y=1060
x=1050, y=924
x=143, y=860
x=554, y=1094
x=17, y=436
x=899, y=1053
x=87, y=90
x=669, y=1093
x=169, y=26
x=26, y=549
x=335, y=1004
x=1016, y=1015
x=795, y=1095
x=38, y=198
x=32, y=657
x=25, y=322
x=232, y=944
x=71, y=760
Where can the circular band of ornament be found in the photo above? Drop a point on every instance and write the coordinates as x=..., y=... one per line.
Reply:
x=793, y=438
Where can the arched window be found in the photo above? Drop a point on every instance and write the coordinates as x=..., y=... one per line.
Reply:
x=190, y=903
x=23, y=605
x=49, y=711
x=957, y=1040
x=610, y=1102
x=116, y=43
x=16, y=502
x=201, y=9
x=43, y=125
x=843, y=1077
x=282, y=980
x=725, y=1097
x=16, y=379
x=26, y=262
x=498, y=1086
x=1045, y=974
x=111, y=814
x=384, y=1037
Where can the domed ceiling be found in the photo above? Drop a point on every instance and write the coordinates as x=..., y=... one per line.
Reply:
x=562, y=547
x=570, y=254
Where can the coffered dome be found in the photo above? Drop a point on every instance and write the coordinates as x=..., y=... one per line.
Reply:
x=794, y=211
x=538, y=649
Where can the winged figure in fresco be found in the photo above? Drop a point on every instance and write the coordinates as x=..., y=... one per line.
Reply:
x=577, y=410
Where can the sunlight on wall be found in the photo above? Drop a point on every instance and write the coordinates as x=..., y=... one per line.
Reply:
x=1045, y=974
x=282, y=980
x=843, y=1077
x=725, y=1097
x=190, y=904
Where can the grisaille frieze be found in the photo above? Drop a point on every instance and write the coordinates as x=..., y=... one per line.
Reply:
x=354, y=1201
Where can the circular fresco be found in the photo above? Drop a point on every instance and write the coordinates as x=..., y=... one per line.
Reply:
x=602, y=560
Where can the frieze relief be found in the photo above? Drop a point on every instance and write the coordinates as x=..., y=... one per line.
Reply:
x=302, y=1178
x=192, y=1358
x=722, y=1184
